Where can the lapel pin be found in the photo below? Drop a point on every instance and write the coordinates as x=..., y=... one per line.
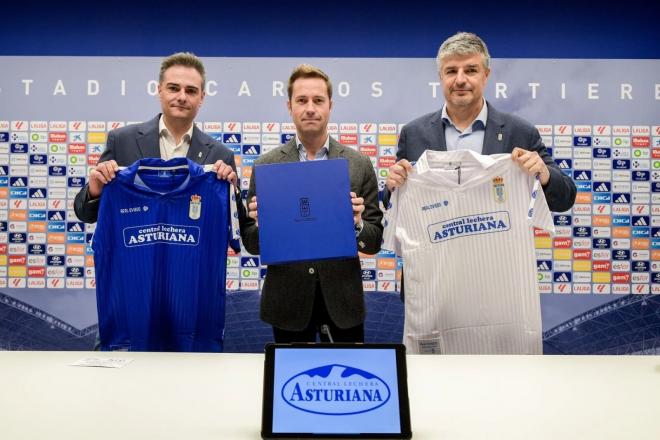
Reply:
x=499, y=137
x=200, y=153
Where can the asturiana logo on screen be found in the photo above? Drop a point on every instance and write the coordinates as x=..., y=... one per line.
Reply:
x=336, y=390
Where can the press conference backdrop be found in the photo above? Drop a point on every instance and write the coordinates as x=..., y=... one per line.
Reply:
x=599, y=276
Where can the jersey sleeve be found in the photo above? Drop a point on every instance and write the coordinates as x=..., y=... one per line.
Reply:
x=538, y=212
x=390, y=242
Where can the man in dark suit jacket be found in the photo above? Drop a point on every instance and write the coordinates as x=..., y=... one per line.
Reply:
x=170, y=134
x=467, y=121
x=300, y=299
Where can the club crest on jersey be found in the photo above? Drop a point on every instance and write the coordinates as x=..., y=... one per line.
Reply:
x=498, y=189
x=195, y=209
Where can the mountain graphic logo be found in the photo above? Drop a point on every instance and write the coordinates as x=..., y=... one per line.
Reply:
x=335, y=390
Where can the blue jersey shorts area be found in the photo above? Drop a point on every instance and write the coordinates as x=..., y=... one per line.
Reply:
x=160, y=254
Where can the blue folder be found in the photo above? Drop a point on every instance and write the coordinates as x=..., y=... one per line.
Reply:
x=305, y=211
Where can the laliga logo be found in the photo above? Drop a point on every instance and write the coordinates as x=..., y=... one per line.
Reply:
x=336, y=390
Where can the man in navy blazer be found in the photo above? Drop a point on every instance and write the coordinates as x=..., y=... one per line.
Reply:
x=468, y=121
x=170, y=134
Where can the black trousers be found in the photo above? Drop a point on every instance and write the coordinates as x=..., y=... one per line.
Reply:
x=320, y=318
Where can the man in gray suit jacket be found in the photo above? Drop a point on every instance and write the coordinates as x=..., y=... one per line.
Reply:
x=467, y=121
x=170, y=134
x=302, y=299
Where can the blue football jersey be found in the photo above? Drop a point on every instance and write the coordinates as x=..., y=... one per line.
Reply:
x=160, y=253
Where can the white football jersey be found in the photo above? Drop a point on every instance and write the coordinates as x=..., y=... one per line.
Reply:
x=463, y=223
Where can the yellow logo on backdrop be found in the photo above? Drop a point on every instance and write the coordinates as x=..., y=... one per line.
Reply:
x=543, y=242
x=96, y=138
x=601, y=277
x=562, y=254
x=387, y=139
x=17, y=271
x=582, y=266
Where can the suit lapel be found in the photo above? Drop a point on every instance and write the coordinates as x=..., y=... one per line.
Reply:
x=335, y=149
x=436, y=133
x=290, y=151
x=495, y=137
x=198, y=150
x=147, y=139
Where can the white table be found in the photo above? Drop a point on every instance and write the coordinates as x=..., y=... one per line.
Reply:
x=207, y=396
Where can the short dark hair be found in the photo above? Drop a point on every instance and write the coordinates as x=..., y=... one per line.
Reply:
x=308, y=71
x=463, y=43
x=187, y=59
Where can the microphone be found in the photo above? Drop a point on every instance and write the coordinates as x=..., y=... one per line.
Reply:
x=326, y=331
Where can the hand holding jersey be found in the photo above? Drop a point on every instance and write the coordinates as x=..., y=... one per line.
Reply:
x=100, y=176
x=531, y=163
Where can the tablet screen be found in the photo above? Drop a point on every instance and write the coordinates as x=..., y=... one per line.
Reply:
x=335, y=390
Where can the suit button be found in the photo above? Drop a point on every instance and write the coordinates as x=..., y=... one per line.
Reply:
x=311, y=270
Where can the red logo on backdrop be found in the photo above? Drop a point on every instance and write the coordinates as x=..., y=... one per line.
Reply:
x=601, y=129
x=3, y=248
x=56, y=136
x=348, y=139
x=269, y=126
x=600, y=288
x=77, y=148
x=655, y=153
x=18, y=125
x=541, y=233
x=231, y=126
x=582, y=254
x=76, y=125
x=93, y=159
x=367, y=127
x=621, y=131
x=562, y=243
x=369, y=150
x=562, y=129
x=115, y=125
x=621, y=277
x=17, y=260
x=36, y=271
x=386, y=161
x=640, y=288
x=641, y=141
x=602, y=266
